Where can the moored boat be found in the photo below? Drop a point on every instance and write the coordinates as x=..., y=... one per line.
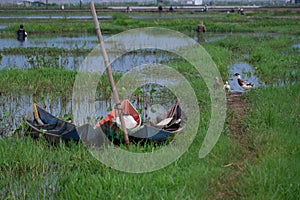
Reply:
x=111, y=125
x=42, y=123
x=159, y=130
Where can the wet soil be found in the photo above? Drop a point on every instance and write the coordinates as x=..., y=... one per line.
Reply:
x=236, y=105
x=226, y=182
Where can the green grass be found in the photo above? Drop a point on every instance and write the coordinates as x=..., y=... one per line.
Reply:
x=273, y=128
x=54, y=52
x=38, y=170
x=44, y=80
x=218, y=22
x=70, y=172
x=269, y=156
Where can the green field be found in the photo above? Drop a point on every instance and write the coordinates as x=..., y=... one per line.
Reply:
x=261, y=161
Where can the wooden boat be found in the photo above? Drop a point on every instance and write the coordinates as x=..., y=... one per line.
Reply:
x=170, y=120
x=111, y=125
x=159, y=130
x=151, y=133
x=42, y=123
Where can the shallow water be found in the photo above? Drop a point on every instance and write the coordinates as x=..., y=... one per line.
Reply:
x=24, y=62
x=247, y=73
x=14, y=107
x=82, y=42
x=73, y=62
x=2, y=26
x=296, y=46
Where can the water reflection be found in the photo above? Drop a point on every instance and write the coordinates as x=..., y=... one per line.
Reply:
x=247, y=73
x=82, y=42
x=3, y=26
x=296, y=46
x=72, y=62
x=14, y=107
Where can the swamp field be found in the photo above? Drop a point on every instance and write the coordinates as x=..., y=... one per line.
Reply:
x=256, y=157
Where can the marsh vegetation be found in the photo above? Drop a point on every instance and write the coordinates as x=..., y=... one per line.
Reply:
x=262, y=163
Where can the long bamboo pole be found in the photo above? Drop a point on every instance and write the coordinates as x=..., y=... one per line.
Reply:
x=108, y=69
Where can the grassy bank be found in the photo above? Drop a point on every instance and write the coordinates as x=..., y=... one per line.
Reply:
x=272, y=130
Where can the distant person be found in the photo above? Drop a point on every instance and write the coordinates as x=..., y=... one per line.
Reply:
x=160, y=8
x=171, y=9
x=241, y=11
x=21, y=33
x=205, y=8
x=128, y=9
x=201, y=28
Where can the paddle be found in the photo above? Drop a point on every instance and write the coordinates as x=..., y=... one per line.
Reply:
x=108, y=69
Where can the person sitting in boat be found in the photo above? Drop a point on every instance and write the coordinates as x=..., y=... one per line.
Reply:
x=21, y=33
x=201, y=27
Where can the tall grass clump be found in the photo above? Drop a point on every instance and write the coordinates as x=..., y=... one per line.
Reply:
x=41, y=80
x=275, y=59
x=273, y=126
